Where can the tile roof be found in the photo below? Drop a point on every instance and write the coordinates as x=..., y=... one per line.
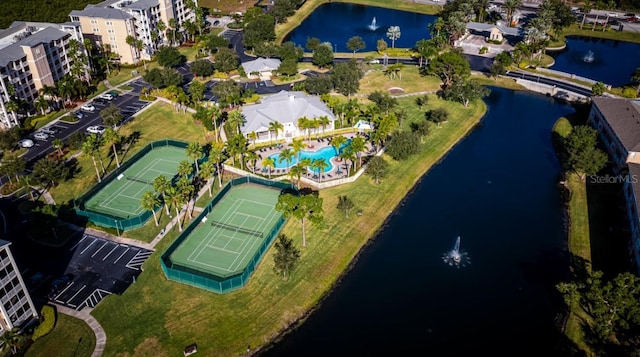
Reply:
x=623, y=116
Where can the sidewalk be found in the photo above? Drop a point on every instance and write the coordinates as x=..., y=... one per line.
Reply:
x=98, y=331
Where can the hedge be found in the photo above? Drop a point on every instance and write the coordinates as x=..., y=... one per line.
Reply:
x=48, y=322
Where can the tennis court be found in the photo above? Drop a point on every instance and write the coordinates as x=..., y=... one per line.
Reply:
x=121, y=197
x=227, y=238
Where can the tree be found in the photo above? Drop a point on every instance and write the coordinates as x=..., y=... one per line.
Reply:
x=510, y=6
x=337, y=142
x=49, y=172
x=228, y=92
x=260, y=30
x=422, y=101
x=286, y=256
x=11, y=338
x=302, y=207
x=9, y=138
x=160, y=186
x=582, y=155
x=402, y=145
x=269, y=163
x=207, y=169
x=312, y=43
x=12, y=165
x=598, y=89
x=185, y=168
x=346, y=77
x=288, y=67
x=348, y=155
x=194, y=151
x=58, y=145
x=169, y=57
x=287, y=155
x=426, y=50
x=322, y=56
x=217, y=156
x=111, y=116
x=381, y=45
x=421, y=128
x=383, y=101
x=497, y=69
x=91, y=147
x=276, y=126
x=345, y=204
x=437, y=116
x=449, y=67
x=393, y=33
x=358, y=145
x=226, y=60
x=149, y=202
x=111, y=137
x=177, y=199
x=196, y=89
x=296, y=172
x=355, y=44
x=236, y=120
x=188, y=191
x=464, y=91
x=41, y=104
x=319, y=85
x=377, y=168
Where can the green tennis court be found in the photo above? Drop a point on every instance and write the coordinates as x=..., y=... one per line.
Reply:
x=121, y=197
x=226, y=239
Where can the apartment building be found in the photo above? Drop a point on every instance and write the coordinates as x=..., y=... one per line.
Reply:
x=32, y=55
x=111, y=22
x=618, y=123
x=16, y=306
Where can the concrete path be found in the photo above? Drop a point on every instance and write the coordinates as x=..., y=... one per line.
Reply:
x=98, y=331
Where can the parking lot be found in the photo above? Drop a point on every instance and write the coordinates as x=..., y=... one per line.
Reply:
x=98, y=268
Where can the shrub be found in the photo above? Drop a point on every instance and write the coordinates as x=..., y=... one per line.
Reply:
x=629, y=92
x=47, y=322
x=75, y=140
x=402, y=145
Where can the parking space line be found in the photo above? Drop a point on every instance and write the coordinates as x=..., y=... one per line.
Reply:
x=121, y=255
x=99, y=249
x=65, y=289
x=108, y=254
x=80, y=241
x=76, y=294
x=90, y=244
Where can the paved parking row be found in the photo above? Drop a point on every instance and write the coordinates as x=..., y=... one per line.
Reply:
x=99, y=268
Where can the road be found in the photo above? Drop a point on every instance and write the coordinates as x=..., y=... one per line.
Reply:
x=549, y=81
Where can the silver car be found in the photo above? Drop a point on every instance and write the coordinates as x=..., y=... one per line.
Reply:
x=41, y=135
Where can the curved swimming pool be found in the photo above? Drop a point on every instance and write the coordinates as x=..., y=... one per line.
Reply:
x=326, y=153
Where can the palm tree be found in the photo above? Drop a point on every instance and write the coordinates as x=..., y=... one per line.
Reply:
x=187, y=190
x=58, y=144
x=393, y=33
x=41, y=104
x=286, y=155
x=337, y=143
x=236, y=120
x=252, y=157
x=194, y=151
x=161, y=185
x=111, y=137
x=161, y=26
x=173, y=25
x=11, y=339
x=297, y=145
x=348, y=155
x=324, y=121
x=510, y=6
x=206, y=173
x=26, y=181
x=321, y=165
x=149, y=202
x=185, y=168
x=215, y=112
x=253, y=136
x=217, y=156
x=358, y=146
x=12, y=107
x=296, y=172
x=90, y=147
x=303, y=124
x=269, y=163
x=276, y=126
x=177, y=199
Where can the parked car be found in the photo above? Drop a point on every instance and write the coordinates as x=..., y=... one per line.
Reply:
x=96, y=129
x=25, y=143
x=41, y=135
x=88, y=107
x=49, y=131
x=78, y=114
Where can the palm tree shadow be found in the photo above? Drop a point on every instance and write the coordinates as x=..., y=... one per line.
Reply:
x=129, y=142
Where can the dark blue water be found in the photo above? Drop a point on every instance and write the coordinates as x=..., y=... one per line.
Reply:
x=613, y=61
x=338, y=22
x=498, y=191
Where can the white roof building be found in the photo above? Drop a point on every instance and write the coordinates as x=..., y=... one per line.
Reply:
x=263, y=66
x=284, y=107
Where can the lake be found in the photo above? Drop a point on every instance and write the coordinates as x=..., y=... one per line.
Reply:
x=608, y=61
x=498, y=191
x=337, y=22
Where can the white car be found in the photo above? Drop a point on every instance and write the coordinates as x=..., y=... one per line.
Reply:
x=25, y=143
x=96, y=129
x=41, y=135
x=88, y=107
x=375, y=61
x=107, y=96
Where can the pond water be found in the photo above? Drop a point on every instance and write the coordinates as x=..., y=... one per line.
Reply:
x=608, y=61
x=498, y=191
x=337, y=22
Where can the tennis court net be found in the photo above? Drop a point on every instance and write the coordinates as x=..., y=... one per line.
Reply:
x=132, y=178
x=237, y=229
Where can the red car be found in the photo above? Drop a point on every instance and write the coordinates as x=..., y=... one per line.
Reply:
x=633, y=19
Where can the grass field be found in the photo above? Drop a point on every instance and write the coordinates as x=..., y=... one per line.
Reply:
x=70, y=337
x=411, y=81
x=160, y=317
x=157, y=122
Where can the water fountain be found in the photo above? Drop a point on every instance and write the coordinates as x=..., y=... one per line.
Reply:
x=456, y=257
x=589, y=57
x=373, y=25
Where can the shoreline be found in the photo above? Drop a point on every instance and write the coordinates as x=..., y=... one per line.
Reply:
x=293, y=326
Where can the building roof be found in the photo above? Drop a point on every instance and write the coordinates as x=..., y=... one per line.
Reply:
x=13, y=52
x=101, y=12
x=284, y=107
x=143, y=4
x=4, y=242
x=506, y=30
x=261, y=65
x=623, y=116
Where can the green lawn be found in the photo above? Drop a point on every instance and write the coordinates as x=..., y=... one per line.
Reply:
x=411, y=81
x=609, y=34
x=70, y=337
x=156, y=317
x=157, y=122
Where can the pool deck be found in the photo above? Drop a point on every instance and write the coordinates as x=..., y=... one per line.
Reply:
x=338, y=171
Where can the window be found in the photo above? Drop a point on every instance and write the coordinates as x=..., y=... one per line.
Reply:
x=111, y=31
x=93, y=22
x=3, y=255
x=96, y=30
x=112, y=38
x=108, y=23
x=75, y=18
x=114, y=46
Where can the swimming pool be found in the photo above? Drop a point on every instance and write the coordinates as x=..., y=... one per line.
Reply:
x=326, y=153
